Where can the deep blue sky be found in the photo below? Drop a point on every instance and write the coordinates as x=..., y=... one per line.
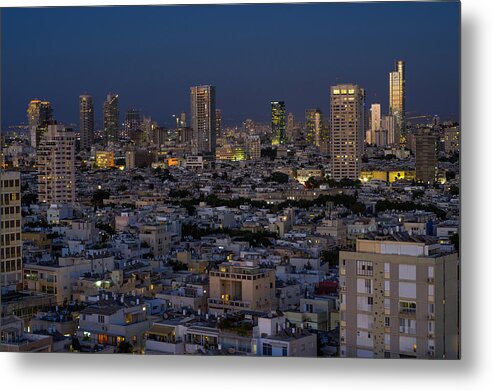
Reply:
x=151, y=55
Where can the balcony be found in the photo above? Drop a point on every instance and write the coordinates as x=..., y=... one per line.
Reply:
x=219, y=303
x=408, y=311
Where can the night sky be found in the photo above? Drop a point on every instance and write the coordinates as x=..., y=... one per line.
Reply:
x=151, y=55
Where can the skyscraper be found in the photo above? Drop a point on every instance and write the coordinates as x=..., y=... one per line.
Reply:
x=148, y=128
x=111, y=118
x=182, y=120
x=218, y=123
x=133, y=125
x=426, y=157
x=203, y=119
x=37, y=113
x=290, y=127
x=253, y=147
x=10, y=232
x=347, y=131
x=314, y=126
x=397, y=93
x=56, y=166
x=388, y=122
x=278, y=122
x=375, y=123
x=86, y=124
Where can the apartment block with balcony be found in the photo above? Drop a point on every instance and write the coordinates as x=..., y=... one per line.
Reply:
x=239, y=286
x=399, y=299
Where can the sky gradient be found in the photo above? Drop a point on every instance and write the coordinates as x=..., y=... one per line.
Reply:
x=151, y=55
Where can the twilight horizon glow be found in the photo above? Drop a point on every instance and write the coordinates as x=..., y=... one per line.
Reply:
x=151, y=55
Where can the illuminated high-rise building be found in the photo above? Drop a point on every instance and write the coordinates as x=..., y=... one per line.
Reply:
x=56, y=166
x=202, y=99
x=397, y=95
x=314, y=126
x=10, y=232
x=182, y=120
x=111, y=118
x=347, y=130
x=37, y=112
x=86, y=124
x=278, y=122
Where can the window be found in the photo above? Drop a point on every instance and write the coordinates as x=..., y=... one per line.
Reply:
x=364, y=268
x=284, y=351
x=386, y=321
x=408, y=289
x=267, y=349
x=101, y=319
x=407, y=272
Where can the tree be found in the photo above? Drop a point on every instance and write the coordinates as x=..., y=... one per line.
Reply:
x=29, y=198
x=331, y=257
x=99, y=196
x=454, y=190
x=279, y=177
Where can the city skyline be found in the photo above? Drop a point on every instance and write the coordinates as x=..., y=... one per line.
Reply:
x=159, y=85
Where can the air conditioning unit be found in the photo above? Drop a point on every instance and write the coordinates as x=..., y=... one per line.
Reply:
x=430, y=316
x=430, y=280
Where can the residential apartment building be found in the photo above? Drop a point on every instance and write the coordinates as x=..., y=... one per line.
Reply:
x=203, y=120
x=56, y=166
x=156, y=237
x=241, y=285
x=399, y=299
x=10, y=231
x=111, y=322
x=347, y=130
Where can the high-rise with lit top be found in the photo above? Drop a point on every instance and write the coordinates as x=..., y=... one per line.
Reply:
x=37, y=112
x=347, y=131
x=278, y=122
x=397, y=95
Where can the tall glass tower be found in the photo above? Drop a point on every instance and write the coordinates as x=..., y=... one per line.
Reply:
x=111, y=118
x=86, y=111
x=397, y=95
x=278, y=122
